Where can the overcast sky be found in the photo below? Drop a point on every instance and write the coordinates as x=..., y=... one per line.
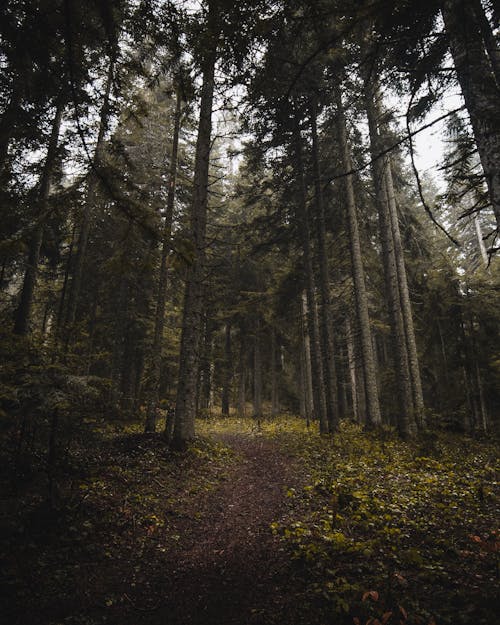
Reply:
x=430, y=143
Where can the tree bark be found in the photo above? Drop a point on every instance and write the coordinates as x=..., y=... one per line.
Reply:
x=52, y=457
x=184, y=426
x=480, y=240
x=352, y=369
x=62, y=298
x=25, y=307
x=206, y=368
x=3, y=280
x=242, y=377
x=302, y=384
x=139, y=368
x=127, y=369
x=228, y=371
x=475, y=377
x=92, y=327
x=406, y=306
x=468, y=418
x=373, y=406
x=307, y=360
x=340, y=367
x=257, y=374
x=405, y=417
x=274, y=374
x=332, y=406
x=47, y=318
x=118, y=337
x=161, y=299
x=479, y=89
x=482, y=403
x=489, y=40
x=318, y=389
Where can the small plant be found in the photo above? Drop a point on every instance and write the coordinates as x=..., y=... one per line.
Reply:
x=380, y=614
x=489, y=544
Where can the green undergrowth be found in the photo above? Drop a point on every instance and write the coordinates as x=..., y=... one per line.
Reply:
x=282, y=427
x=387, y=531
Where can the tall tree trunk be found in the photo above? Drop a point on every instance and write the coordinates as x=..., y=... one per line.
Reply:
x=468, y=417
x=443, y=352
x=319, y=398
x=405, y=418
x=490, y=43
x=46, y=321
x=340, y=367
x=360, y=379
x=92, y=326
x=242, y=376
x=89, y=206
x=480, y=240
x=227, y=372
x=24, y=309
x=156, y=346
x=475, y=377
x=139, y=368
x=406, y=306
x=206, y=369
x=62, y=298
x=3, y=280
x=307, y=360
x=332, y=406
x=471, y=420
x=127, y=368
x=479, y=89
x=482, y=403
x=184, y=426
x=118, y=337
x=257, y=374
x=302, y=384
x=52, y=458
x=274, y=374
x=352, y=369
x=373, y=406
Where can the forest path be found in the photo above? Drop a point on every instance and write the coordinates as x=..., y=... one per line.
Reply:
x=155, y=538
x=230, y=569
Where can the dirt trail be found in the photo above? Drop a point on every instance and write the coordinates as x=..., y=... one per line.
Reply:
x=213, y=559
x=232, y=570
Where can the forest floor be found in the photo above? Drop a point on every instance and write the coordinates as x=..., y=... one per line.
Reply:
x=256, y=526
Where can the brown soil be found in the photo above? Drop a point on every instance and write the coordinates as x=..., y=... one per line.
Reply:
x=232, y=570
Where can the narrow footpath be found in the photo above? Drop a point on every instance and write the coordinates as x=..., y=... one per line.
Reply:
x=150, y=538
x=232, y=570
